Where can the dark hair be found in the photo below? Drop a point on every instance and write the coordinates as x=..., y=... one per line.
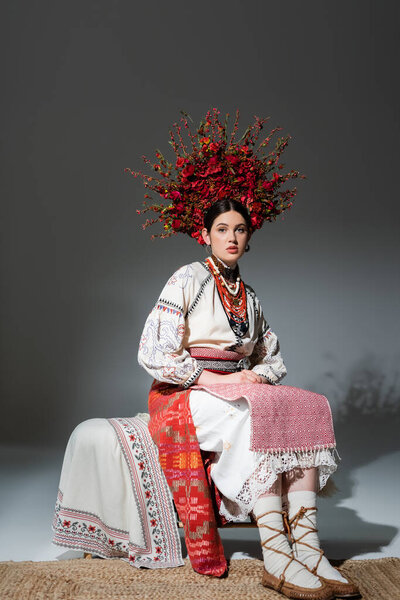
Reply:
x=223, y=206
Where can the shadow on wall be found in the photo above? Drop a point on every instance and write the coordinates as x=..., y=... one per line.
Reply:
x=367, y=428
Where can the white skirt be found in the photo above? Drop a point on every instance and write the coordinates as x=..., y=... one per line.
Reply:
x=240, y=474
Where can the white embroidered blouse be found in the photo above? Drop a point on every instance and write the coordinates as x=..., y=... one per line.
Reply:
x=189, y=313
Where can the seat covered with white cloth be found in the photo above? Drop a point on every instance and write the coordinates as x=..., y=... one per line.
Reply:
x=113, y=500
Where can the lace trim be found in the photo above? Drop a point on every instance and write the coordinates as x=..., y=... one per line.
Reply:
x=267, y=469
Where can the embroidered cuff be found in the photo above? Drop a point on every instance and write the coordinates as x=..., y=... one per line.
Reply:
x=269, y=374
x=193, y=377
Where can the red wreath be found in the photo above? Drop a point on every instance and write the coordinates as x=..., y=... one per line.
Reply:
x=215, y=167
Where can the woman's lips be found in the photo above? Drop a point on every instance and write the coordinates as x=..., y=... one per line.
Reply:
x=232, y=250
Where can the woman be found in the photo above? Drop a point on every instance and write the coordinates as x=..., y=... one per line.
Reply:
x=207, y=330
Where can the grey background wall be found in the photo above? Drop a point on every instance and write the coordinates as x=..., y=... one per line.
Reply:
x=87, y=88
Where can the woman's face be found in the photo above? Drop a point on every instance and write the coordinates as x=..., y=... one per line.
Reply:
x=228, y=237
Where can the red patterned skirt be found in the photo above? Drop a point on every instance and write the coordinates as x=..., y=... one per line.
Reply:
x=172, y=429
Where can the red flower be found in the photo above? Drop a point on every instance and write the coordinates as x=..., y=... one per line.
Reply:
x=213, y=147
x=232, y=159
x=180, y=161
x=158, y=549
x=131, y=558
x=111, y=542
x=141, y=466
x=223, y=191
x=174, y=195
x=148, y=494
x=66, y=523
x=188, y=171
x=267, y=185
x=213, y=166
x=198, y=184
x=156, y=558
x=92, y=528
x=176, y=223
x=132, y=437
x=153, y=522
x=180, y=207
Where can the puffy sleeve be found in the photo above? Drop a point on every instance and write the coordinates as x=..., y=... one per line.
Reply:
x=161, y=350
x=266, y=357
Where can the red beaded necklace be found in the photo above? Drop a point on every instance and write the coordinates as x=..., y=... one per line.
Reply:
x=234, y=301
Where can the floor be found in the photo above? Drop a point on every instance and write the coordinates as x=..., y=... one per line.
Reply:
x=362, y=524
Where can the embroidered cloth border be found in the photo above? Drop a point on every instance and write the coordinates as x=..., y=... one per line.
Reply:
x=82, y=530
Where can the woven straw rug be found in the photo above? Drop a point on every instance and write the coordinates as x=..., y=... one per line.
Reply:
x=80, y=579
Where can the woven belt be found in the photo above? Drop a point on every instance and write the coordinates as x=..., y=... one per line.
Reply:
x=219, y=361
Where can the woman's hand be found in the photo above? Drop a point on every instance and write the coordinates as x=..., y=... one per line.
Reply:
x=245, y=376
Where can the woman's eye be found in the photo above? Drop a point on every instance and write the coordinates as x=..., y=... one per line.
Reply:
x=221, y=230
